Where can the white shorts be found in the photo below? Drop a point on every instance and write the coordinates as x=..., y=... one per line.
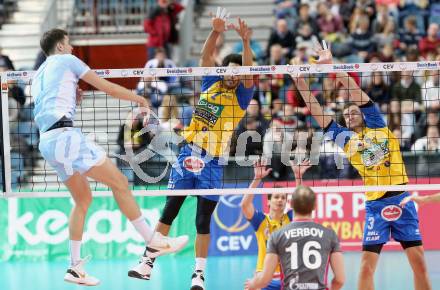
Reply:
x=68, y=151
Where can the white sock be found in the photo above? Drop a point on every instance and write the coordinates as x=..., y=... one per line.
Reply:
x=143, y=228
x=75, y=252
x=200, y=264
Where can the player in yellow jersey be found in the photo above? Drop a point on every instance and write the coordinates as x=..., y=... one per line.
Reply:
x=374, y=151
x=265, y=224
x=223, y=102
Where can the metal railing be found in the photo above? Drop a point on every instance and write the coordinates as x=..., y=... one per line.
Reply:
x=109, y=16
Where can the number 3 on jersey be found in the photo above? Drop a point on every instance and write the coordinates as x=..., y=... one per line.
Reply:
x=309, y=250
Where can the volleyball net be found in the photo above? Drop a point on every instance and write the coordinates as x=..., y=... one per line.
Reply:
x=277, y=126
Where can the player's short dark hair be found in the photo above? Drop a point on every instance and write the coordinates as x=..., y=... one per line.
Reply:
x=232, y=58
x=303, y=200
x=50, y=39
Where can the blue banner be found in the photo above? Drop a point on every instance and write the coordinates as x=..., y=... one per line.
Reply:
x=231, y=233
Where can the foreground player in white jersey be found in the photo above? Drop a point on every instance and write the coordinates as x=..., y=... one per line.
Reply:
x=75, y=158
x=303, y=248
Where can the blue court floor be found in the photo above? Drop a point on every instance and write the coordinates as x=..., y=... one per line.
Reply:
x=171, y=273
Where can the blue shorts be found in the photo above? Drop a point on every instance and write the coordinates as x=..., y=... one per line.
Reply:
x=385, y=218
x=195, y=169
x=274, y=284
x=68, y=151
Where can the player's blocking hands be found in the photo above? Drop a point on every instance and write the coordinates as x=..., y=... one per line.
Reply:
x=324, y=53
x=242, y=29
x=219, y=21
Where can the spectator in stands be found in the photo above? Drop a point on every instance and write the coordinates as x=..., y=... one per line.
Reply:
x=431, y=90
x=278, y=81
x=304, y=18
x=430, y=143
x=430, y=118
x=283, y=36
x=410, y=35
x=378, y=90
x=276, y=55
x=306, y=40
x=332, y=162
x=154, y=87
x=285, y=9
x=430, y=43
x=387, y=36
x=264, y=94
x=276, y=107
x=5, y=62
x=367, y=6
x=330, y=26
x=161, y=26
x=253, y=122
x=255, y=46
x=17, y=93
x=381, y=19
x=394, y=115
x=361, y=39
x=343, y=9
x=278, y=141
x=407, y=89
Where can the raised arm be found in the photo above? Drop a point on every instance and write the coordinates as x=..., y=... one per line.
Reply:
x=357, y=95
x=247, y=204
x=262, y=279
x=245, y=33
x=113, y=89
x=311, y=102
x=218, y=27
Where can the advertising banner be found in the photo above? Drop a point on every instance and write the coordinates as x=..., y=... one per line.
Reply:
x=37, y=229
x=231, y=233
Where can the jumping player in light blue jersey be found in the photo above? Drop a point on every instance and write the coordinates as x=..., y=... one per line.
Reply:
x=73, y=157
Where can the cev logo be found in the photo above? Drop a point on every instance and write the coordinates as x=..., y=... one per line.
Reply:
x=239, y=223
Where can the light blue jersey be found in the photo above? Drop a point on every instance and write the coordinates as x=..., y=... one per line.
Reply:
x=54, y=89
x=54, y=86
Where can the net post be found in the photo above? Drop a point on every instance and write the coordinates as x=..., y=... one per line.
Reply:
x=4, y=135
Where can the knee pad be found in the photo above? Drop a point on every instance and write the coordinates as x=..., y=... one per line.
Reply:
x=171, y=209
x=203, y=223
x=205, y=208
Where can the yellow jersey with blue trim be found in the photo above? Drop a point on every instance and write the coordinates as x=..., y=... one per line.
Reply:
x=217, y=114
x=264, y=226
x=374, y=152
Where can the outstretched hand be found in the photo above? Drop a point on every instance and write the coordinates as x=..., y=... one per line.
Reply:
x=300, y=169
x=260, y=169
x=324, y=53
x=219, y=21
x=242, y=29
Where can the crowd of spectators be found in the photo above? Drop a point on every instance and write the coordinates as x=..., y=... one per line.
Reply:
x=359, y=31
